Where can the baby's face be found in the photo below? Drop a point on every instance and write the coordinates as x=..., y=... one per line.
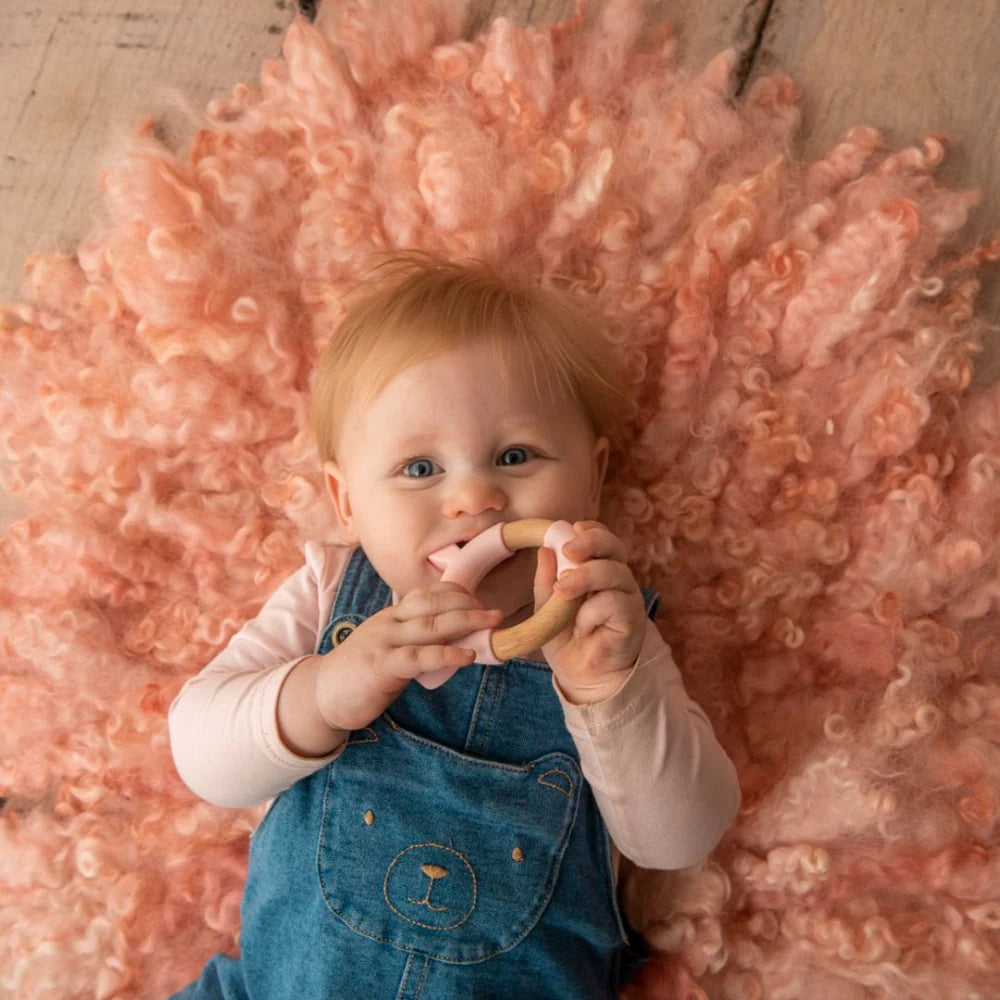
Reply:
x=442, y=454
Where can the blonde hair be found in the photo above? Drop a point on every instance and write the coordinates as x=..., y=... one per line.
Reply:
x=418, y=306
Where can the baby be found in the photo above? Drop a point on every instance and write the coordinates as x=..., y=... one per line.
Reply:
x=464, y=840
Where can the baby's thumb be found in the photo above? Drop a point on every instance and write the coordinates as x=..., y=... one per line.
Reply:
x=545, y=576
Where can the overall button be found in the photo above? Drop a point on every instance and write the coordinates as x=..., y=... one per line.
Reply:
x=337, y=631
x=341, y=631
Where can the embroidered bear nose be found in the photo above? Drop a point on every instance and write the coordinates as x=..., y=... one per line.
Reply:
x=436, y=897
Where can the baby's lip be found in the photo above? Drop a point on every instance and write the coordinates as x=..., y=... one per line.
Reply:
x=459, y=540
x=447, y=546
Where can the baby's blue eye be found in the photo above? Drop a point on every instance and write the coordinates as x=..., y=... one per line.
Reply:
x=508, y=451
x=424, y=464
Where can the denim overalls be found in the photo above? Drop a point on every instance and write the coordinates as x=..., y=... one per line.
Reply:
x=453, y=850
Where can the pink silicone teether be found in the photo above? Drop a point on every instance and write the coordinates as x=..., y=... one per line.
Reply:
x=469, y=564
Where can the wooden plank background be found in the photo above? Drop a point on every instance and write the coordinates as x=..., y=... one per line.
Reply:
x=78, y=73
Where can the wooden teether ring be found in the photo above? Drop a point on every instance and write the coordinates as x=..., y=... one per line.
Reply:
x=556, y=613
x=470, y=564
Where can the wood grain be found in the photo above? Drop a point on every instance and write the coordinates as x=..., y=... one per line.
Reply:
x=523, y=639
x=702, y=27
x=79, y=72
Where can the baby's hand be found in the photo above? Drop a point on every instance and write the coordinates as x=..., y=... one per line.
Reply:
x=592, y=658
x=359, y=679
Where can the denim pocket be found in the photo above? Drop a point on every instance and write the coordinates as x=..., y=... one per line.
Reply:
x=438, y=852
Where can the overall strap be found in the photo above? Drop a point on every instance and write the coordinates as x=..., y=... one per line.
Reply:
x=362, y=593
x=651, y=600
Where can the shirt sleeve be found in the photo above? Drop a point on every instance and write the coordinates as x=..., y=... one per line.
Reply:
x=665, y=787
x=223, y=723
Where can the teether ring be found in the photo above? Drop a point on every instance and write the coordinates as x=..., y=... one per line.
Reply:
x=469, y=564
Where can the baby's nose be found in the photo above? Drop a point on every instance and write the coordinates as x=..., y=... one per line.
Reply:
x=473, y=494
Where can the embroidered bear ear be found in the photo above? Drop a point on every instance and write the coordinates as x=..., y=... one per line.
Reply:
x=341, y=631
x=558, y=779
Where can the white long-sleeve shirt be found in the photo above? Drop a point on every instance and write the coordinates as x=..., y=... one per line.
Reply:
x=664, y=786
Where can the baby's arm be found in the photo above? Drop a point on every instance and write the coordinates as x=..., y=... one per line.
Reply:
x=664, y=785
x=267, y=711
x=225, y=732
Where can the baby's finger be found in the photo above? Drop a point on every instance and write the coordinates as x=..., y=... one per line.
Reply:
x=434, y=600
x=594, y=541
x=424, y=630
x=594, y=575
x=610, y=609
x=410, y=662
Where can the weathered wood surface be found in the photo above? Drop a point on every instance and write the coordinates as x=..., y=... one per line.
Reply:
x=908, y=68
x=78, y=72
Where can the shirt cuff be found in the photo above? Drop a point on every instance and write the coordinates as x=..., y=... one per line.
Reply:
x=266, y=716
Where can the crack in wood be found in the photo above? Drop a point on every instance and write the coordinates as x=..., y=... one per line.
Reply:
x=747, y=62
x=38, y=73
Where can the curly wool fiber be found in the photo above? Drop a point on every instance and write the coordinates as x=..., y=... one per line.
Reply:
x=807, y=481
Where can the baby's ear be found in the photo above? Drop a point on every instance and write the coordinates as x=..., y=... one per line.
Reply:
x=336, y=487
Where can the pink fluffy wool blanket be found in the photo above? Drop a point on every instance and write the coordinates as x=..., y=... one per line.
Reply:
x=806, y=479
